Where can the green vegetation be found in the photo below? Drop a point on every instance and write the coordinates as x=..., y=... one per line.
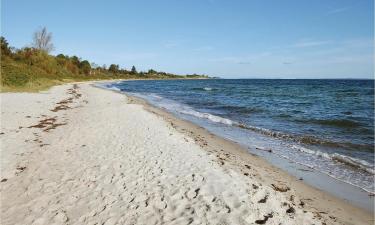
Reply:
x=33, y=68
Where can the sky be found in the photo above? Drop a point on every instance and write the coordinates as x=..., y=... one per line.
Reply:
x=228, y=39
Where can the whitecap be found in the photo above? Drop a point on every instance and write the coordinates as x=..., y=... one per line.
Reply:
x=213, y=118
x=358, y=163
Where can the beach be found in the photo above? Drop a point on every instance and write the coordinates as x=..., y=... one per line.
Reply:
x=78, y=154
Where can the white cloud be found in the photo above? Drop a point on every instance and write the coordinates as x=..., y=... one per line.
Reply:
x=345, y=59
x=203, y=49
x=310, y=43
x=246, y=59
x=174, y=43
x=338, y=10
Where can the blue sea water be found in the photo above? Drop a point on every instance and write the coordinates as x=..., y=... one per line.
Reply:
x=326, y=125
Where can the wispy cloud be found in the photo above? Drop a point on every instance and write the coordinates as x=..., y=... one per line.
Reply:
x=225, y=59
x=171, y=44
x=343, y=47
x=338, y=10
x=174, y=43
x=244, y=63
x=326, y=46
x=344, y=59
x=310, y=43
x=203, y=49
x=359, y=43
x=360, y=58
x=242, y=60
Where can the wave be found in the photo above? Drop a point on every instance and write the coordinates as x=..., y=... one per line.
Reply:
x=114, y=88
x=107, y=86
x=155, y=96
x=238, y=109
x=280, y=135
x=304, y=139
x=361, y=164
x=345, y=123
x=174, y=106
x=213, y=118
x=205, y=89
x=367, y=189
x=275, y=134
x=347, y=160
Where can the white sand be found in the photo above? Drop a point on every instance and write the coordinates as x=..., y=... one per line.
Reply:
x=110, y=162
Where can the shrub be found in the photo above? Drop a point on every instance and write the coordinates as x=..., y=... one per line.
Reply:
x=12, y=75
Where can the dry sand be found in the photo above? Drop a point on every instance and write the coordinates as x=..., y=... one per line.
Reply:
x=77, y=154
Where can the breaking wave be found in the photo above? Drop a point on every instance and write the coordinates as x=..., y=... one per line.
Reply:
x=213, y=118
x=344, y=159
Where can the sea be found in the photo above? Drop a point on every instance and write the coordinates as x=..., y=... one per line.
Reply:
x=325, y=125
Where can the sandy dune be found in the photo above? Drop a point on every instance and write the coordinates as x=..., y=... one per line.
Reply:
x=77, y=154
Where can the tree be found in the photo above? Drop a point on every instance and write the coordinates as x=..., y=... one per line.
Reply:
x=61, y=59
x=85, y=66
x=113, y=68
x=5, y=49
x=75, y=60
x=134, y=70
x=26, y=55
x=42, y=40
x=151, y=71
x=61, y=56
x=94, y=65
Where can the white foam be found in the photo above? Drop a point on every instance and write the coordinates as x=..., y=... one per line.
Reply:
x=362, y=164
x=114, y=88
x=350, y=181
x=353, y=162
x=207, y=89
x=213, y=118
x=109, y=86
x=184, y=109
x=155, y=96
x=312, y=152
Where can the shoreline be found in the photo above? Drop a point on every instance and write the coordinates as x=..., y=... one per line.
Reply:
x=324, y=182
x=185, y=127
x=29, y=88
x=330, y=200
x=100, y=137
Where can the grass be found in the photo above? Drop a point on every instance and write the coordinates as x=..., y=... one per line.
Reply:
x=19, y=77
x=35, y=86
x=30, y=70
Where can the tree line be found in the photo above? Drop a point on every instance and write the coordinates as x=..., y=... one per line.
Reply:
x=36, y=60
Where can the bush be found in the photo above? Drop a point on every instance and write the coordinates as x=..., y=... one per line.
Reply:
x=12, y=75
x=16, y=80
x=85, y=67
x=5, y=49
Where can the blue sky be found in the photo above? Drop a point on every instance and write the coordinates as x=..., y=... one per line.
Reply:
x=231, y=39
